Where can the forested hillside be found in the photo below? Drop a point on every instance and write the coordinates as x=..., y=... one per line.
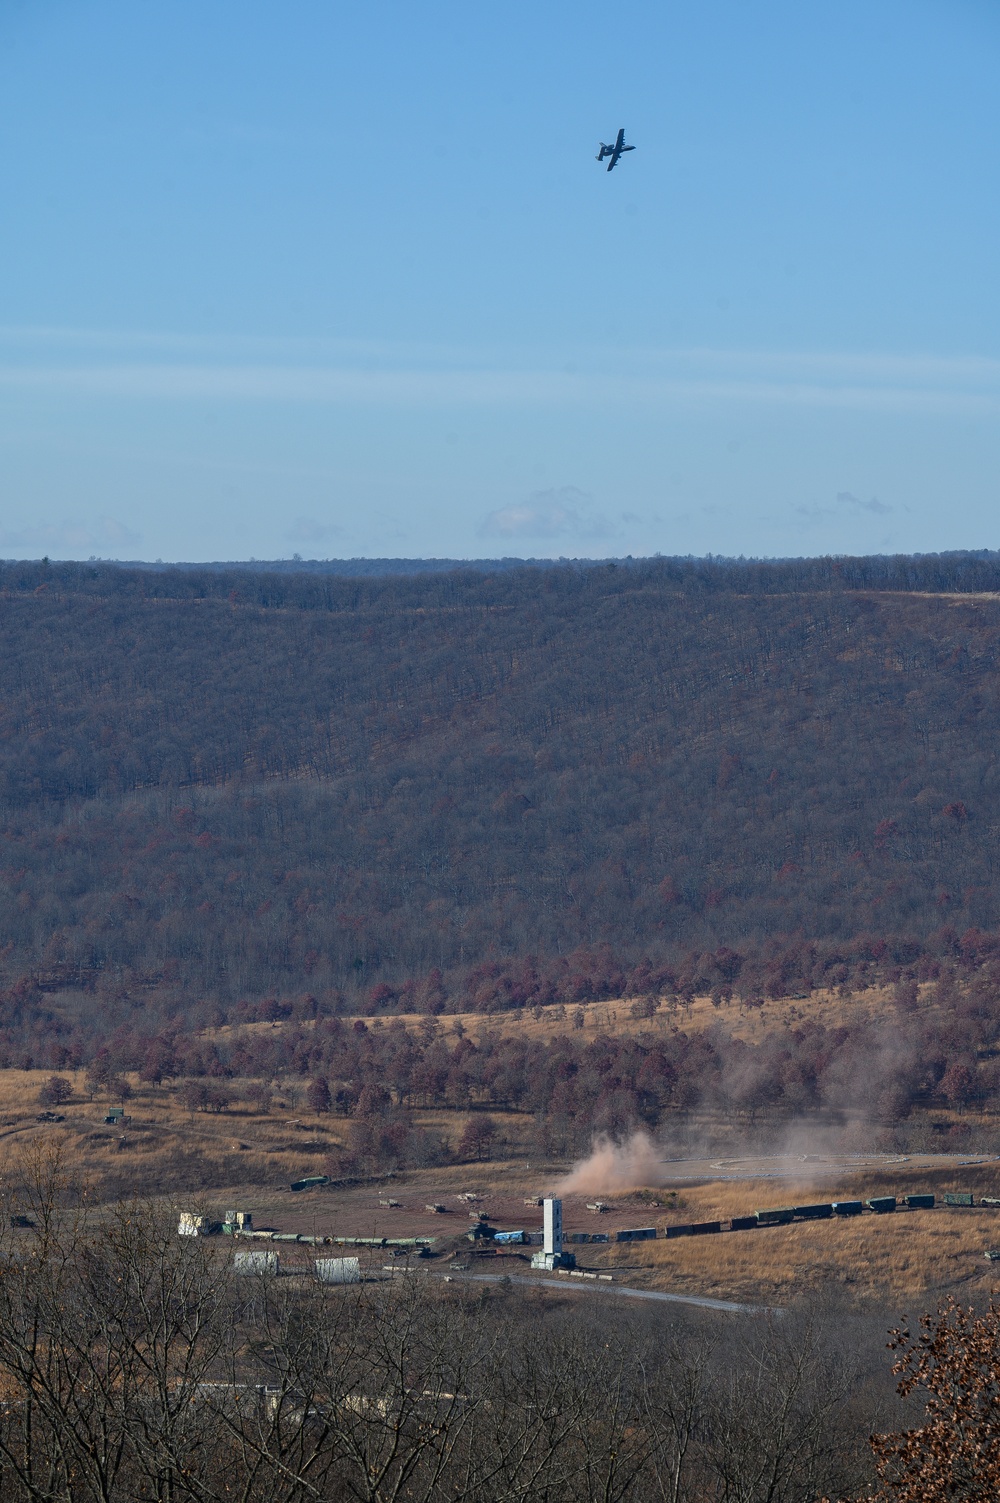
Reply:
x=249, y=785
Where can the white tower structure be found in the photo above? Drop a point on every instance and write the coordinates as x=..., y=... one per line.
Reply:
x=552, y=1255
x=552, y=1227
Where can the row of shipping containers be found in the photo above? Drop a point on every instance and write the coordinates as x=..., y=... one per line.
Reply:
x=777, y=1216
x=820, y=1211
x=878, y=1205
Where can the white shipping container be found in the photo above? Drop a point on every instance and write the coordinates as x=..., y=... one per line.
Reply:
x=338, y=1270
x=192, y=1225
x=255, y=1261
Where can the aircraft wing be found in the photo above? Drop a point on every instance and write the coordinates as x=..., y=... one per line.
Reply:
x=618, y=148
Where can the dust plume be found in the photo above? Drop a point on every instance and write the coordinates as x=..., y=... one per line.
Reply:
x=629, y=1165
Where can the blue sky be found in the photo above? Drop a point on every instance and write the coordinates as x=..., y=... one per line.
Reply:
x=347, y=280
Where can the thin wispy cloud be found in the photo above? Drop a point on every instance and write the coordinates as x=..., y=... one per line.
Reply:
x=846, y=503
x=309, y=530
x=182, y=368
x=435, y=389
x=854, y=503
x=71, y=535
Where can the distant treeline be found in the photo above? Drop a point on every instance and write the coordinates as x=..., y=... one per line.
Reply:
x=361, y=568
x=329, y=584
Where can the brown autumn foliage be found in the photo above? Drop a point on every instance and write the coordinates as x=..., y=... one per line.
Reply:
x=952, y=1365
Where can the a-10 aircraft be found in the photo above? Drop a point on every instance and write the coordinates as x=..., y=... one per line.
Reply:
x=614, y=152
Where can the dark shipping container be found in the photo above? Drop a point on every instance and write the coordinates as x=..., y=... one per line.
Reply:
x=636, y=1234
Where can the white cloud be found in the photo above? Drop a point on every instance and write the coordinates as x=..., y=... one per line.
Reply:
x=562, y=512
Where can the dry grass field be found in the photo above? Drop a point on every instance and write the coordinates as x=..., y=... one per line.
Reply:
x=907, y=1260
x=626, y=1016
x=164, y=1148
x=623, y=1016
x=908, y=1256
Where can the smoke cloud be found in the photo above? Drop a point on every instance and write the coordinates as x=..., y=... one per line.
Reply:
x=804, y=1155
x=632, y=1165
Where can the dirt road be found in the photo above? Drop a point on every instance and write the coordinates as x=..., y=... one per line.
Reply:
x=622, y=1291
x=814, y=1165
